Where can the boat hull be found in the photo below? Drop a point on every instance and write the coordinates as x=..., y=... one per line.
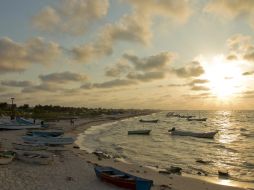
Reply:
x=29, y=147
x=48, y=140
x=149, y=121
x=209, y=135
x=139, y=132
x=122, y=179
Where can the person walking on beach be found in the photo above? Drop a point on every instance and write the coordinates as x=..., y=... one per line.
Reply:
x=72, y=122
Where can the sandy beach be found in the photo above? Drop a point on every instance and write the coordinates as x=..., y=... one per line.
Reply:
x=72, y=168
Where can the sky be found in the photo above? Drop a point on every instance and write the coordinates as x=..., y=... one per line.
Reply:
x=145, y=54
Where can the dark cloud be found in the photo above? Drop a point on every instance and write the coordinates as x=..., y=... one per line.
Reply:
x=248, y=73
x=232, y=57
x=109, y=84
x=200, y=88
x=198, y=81
x=117, y=69
x=46, y=87
x=146, y=77
x=63, y=77
x=14, y=83
x=193, y=69
x=16, y=57
x=154, y=62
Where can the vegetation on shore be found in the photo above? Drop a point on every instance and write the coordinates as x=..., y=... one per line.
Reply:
x=55, y=112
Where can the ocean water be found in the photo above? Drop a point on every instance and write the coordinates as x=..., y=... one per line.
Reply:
x=232, y=149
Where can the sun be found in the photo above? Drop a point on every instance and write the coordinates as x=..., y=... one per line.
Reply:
x=225, y=77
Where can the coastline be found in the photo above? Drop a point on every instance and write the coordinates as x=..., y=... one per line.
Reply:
x=72, y=168
x=161, y=181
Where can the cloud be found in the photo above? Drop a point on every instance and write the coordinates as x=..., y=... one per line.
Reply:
x=134, y=27
x=154, y=62
x=14, y=83
x=177, y=10
x=200, y=88
x=71, y=16
x=232, y=9
x=46, y=87
x=194, y=69
x=129, y=29
x=147, y=76
x=248, y=73
x=117, y=69
x=198, y=81
x=109, y=84
x=16, y=57
x=240, y=46
x=249, y=54
x=232, y=57
x=205, y=95
x=63, y=77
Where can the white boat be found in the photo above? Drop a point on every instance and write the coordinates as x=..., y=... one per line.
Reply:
x=209, y=135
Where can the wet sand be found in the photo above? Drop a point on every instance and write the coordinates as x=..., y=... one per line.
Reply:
x=72, y=169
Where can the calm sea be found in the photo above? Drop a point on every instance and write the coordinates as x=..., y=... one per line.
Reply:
x=232, y=149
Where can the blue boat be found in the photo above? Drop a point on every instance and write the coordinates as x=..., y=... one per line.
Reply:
x=122, y=179
x=51, y=133
x=48, y=140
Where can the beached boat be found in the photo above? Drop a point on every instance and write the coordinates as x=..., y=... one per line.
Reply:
x=48, y=133
x=149, y=121
x=6, y=157
x=35, y=158
x=15, y=125
x=48, y=140
x=139, y=132
x=29, y=147
x=208, y=135
x=122, y=179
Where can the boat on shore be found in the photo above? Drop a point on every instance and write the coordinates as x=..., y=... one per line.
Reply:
x=10, y=126
x=208, y=135
x=48, y=133
x=35, y=158
x=48, y=140
x=122, y=179
x=6, y=157
x=139, y=132
x=149, y=121
x=29, y=147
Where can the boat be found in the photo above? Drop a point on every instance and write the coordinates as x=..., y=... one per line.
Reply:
x=209, y=135
x=29, y=147
x=48, y=140
x=35, y=158
x=48, y=133
x=122, y=179
x=6, y=157
x=139, y=132
x=197, y=119
x=149, y=121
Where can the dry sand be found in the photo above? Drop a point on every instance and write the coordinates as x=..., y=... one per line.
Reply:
x=72, y=169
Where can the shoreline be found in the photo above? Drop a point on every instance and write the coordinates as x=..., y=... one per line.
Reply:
x=215, y=182
x=72, y=168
